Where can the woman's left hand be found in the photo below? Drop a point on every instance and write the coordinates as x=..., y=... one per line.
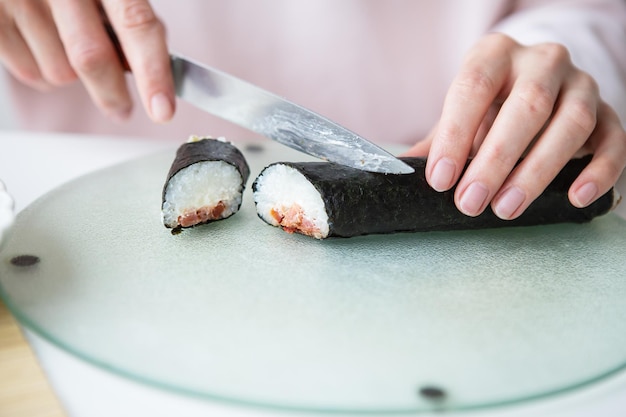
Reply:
x=509, y=101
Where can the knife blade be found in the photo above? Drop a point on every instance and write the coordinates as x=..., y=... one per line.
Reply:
x=260, y=111
x=274, y=117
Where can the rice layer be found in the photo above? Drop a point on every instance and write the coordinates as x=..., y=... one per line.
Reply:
x=285, y=198
x=200, y=193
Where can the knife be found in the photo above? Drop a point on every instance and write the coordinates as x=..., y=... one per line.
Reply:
x=260, y=111
x=274, y=117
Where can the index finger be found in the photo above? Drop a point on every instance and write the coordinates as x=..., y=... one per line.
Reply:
x=142, y=38
x=474, y=89
x=92, y=56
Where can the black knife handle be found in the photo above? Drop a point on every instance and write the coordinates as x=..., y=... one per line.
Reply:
x=114, y=39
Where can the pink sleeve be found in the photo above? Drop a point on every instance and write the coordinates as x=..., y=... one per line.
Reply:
x=594, y=31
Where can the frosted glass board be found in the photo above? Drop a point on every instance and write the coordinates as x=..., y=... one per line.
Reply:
x=243, y=312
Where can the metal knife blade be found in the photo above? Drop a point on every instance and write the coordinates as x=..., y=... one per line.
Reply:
x=270, y=115
x=265, y=113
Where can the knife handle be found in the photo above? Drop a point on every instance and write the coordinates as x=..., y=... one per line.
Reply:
x=114, y=39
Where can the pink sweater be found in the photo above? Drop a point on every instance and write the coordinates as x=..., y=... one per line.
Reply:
x=381, y=68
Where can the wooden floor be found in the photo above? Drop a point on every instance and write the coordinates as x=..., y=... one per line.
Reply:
x=24, y=390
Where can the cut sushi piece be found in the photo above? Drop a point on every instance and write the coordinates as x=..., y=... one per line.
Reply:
x=205, y=183
x=321, y=199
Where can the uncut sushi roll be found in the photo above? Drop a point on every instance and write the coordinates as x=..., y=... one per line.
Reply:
x=205, y=183
x=322, y=199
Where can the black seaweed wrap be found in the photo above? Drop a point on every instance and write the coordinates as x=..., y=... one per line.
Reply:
x=360, y=203
x=208, y=150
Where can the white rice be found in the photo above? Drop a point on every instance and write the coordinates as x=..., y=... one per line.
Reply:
x=202, y=185
x=280, y=187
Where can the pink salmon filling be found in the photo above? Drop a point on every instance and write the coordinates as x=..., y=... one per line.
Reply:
x=293, y=220
x=201, y=215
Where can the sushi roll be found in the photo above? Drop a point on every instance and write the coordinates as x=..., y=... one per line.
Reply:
x=321, y=199
x=205, y=183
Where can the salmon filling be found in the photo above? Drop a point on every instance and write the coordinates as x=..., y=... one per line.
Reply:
x=293, y=220
x=201, y=215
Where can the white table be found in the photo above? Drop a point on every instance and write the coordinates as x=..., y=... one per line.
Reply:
x=32, y=164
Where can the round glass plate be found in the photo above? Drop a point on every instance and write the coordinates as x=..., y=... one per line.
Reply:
x=242, y=312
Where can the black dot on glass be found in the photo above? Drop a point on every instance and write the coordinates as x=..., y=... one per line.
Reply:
x=25, y=260
x=432, y=393
x=254, y=148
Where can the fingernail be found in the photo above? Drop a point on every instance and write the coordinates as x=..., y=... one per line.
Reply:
x=510, y=201
x=473, y=199
x=161, y=108
x=443, y=174
x=585, y=194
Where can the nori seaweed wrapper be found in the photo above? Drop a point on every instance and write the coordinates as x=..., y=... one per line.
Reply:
x=207, y=149
x=360, y=203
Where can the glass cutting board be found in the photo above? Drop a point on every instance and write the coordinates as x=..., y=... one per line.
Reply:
x=242, y=312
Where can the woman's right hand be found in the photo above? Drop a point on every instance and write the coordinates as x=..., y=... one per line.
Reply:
x=50, y=43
